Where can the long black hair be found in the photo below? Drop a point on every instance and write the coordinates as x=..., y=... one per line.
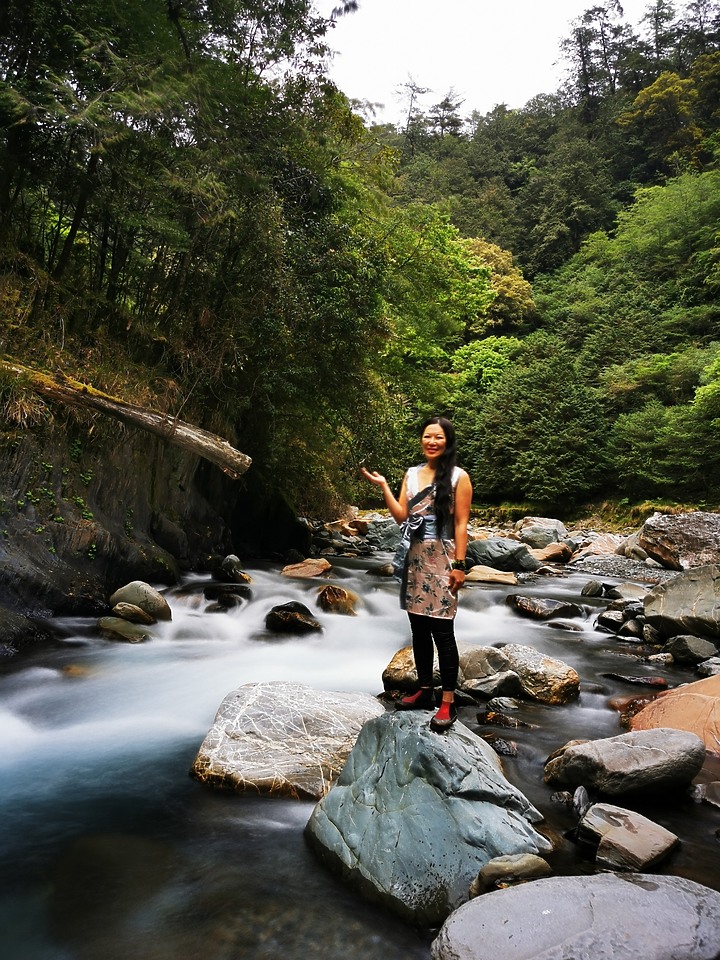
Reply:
x=444, y=474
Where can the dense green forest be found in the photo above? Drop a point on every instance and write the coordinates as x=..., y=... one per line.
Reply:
x=194, y=218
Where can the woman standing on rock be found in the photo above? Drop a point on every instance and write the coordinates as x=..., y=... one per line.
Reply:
x=433, y=510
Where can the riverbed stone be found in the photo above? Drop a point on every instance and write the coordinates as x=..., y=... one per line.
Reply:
x=142, y=595
x=335, y=599
x=231, y=570
x=292, y=617
x=124, y=629
x=306, y=569
x=624, y=839
x=541, y=608
x=630, y=592
x=709, y=668
x=515, y=868
x=599, y=545
x=133, y=613
x=687, y=603
x=415, y=815
x=552, y=553
x=485, y=672
x=609, y=621
x=538, y=532
x=687, y=648
x=227, y=594
x=401, y=674
x=502, y=553
x=693, y=707
x=504, y=683
x=593, y=588
x=660, y=759
x=682, y=540
x=282, y=739
x=632, y=549
x=631, y=916
x=542, y=678
x=480, y=573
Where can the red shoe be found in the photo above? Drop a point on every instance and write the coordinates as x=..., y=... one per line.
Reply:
x=424, y=699
x=444, y=718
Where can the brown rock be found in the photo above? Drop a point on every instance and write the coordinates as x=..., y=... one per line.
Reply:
x=334, y=599
x=694, y=707
x=482, y=574
x=400, y=673
x=313, y=567
x=133, y=613
x=553, y=553
x=625, y=840
x=359, y=526
x=513, y=868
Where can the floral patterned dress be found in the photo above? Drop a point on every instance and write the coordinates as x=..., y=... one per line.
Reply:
x=427, y=584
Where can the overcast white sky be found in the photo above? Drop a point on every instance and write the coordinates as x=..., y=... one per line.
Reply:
x=488, y=51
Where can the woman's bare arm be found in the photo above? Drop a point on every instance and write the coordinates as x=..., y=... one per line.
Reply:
x=398, y=508
x=461, y=515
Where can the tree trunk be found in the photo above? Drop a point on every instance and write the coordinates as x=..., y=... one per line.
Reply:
x=62, y=389
x=80, y=208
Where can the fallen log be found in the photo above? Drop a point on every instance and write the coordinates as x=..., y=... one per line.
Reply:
x=63, y=389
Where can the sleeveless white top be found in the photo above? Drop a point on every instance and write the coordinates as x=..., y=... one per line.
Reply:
x=412, y=479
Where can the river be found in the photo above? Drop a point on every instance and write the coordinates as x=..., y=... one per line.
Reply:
x=110, y=851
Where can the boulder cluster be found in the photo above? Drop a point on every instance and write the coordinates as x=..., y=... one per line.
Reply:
x=427, y=824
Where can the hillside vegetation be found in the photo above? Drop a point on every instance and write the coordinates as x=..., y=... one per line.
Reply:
x=193, y=218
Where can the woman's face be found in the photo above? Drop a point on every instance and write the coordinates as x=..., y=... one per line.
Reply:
x=433, y=441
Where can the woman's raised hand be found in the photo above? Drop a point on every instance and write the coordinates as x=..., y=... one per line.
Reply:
x=374, y=477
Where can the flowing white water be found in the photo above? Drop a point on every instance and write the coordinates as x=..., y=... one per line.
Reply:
x=109, y=849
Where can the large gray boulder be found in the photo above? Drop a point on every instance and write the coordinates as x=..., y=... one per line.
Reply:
x=539, y=532
x=384, y=534
x=415, y=815
x=627, y=917
x=682, y=540
x=502, y=553
x=688, y=603
x=662, y=759
x=284, y=739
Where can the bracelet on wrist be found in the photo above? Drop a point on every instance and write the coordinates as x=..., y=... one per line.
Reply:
x=459, y=565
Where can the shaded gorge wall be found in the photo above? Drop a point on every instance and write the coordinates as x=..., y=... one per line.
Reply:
x=87, y=505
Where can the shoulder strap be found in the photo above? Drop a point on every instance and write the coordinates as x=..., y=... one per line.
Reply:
x=412, y=481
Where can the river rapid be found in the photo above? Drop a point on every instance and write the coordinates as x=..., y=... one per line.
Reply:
x=110, y=851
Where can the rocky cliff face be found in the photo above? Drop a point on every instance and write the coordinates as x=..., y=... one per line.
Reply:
x=87, y=506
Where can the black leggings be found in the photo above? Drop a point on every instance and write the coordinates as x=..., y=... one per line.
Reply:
x=425, y=630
